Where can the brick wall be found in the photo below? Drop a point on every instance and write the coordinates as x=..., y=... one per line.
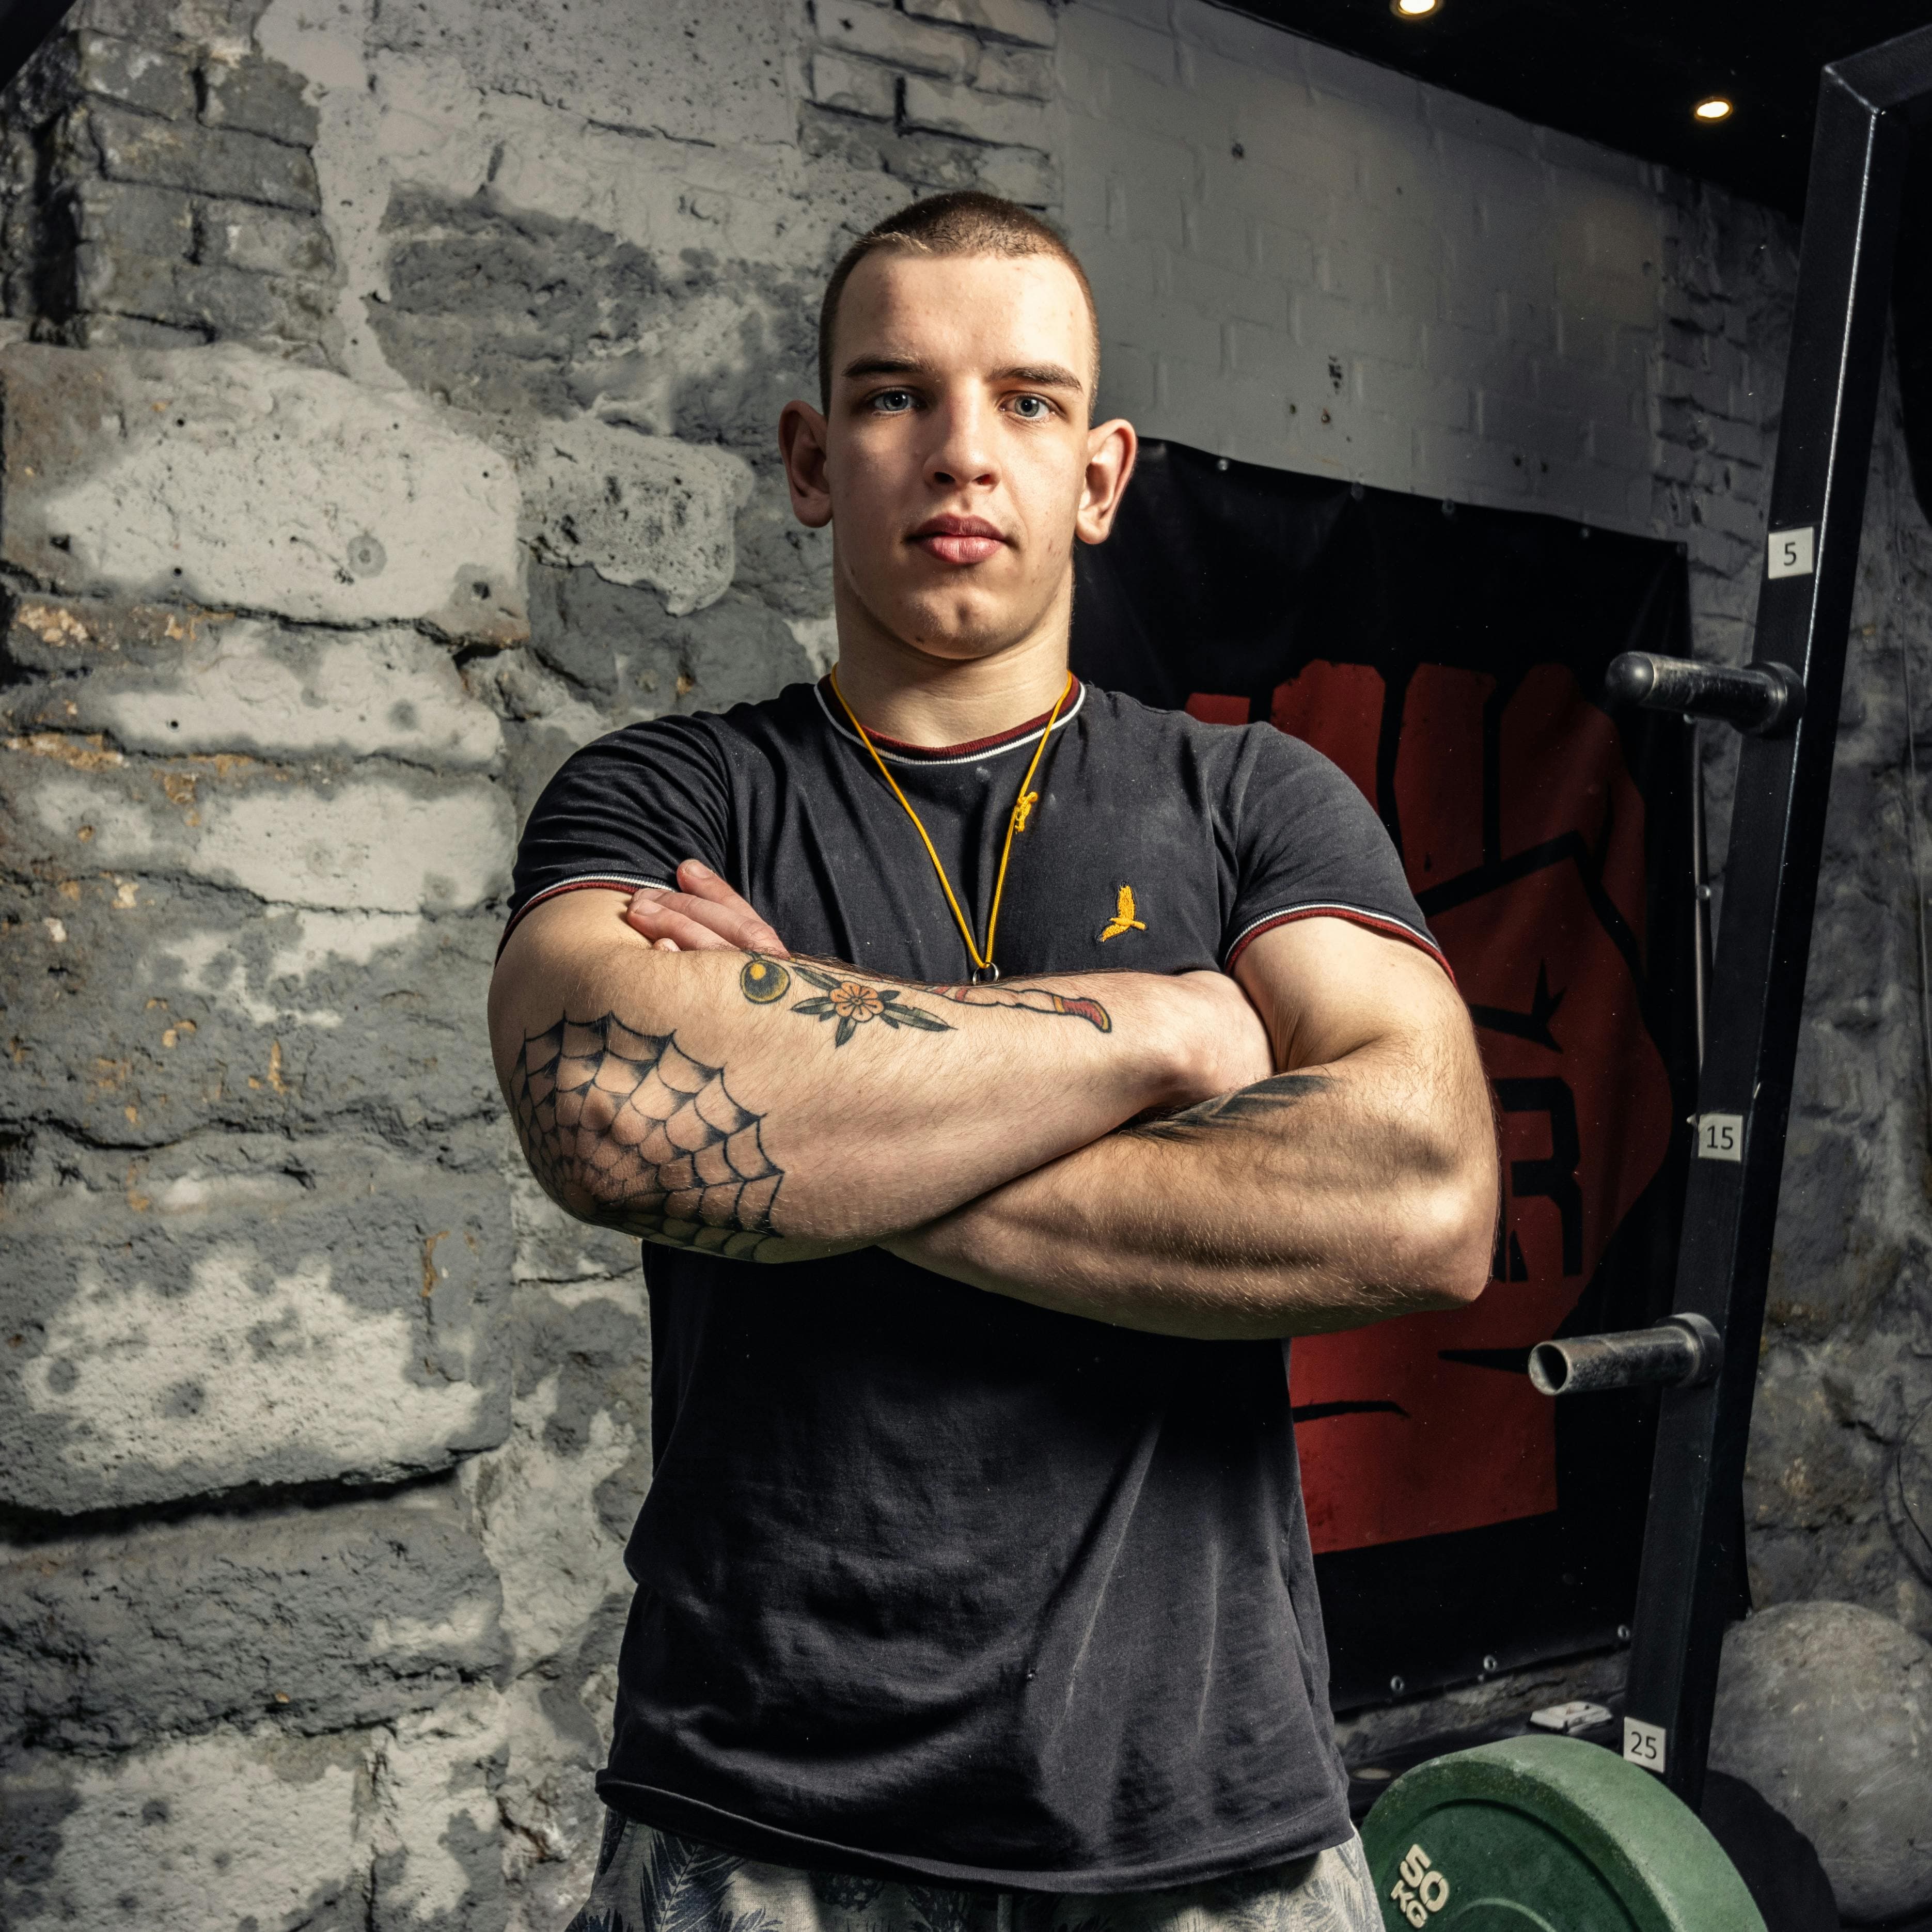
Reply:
x=947, y=93
x=388, y=409
x=1307, y=261
x=163, y=196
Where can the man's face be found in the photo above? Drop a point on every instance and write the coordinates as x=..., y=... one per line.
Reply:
x=956, y=463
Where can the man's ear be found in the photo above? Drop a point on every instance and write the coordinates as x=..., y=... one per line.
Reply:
x=801, y=445
x=1111, y=450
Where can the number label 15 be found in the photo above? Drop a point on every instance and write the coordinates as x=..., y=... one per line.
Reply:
x=1721, y=1137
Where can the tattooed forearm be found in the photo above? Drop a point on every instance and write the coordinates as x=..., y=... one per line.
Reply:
x=854, y=999
x=625, y=1129
x=1246, y=1107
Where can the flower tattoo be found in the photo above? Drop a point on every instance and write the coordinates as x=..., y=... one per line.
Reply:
x=852, y=1001
x=853, y=1004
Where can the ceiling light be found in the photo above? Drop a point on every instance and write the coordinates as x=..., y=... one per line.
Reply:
x=1713, y=107
x=1414, y=9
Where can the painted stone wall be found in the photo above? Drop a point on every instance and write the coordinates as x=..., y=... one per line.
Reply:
x=386, y=408
x=389, y=410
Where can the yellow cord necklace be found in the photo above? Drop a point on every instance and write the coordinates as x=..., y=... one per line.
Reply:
x=983, y=968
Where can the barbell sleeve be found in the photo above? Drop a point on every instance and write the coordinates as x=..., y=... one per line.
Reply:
x=1680, y=1352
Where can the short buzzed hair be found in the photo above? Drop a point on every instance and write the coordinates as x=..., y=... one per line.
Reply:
x=963, y=222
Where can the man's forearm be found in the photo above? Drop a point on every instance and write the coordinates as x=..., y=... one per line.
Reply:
x=770, y=1107
x=1310, y=1201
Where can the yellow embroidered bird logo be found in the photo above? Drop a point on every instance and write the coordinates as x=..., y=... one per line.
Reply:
x=1123, y=920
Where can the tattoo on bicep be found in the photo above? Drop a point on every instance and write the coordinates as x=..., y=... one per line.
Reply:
x=626, y=1130
x=855, y=1000
x=1246, y=1107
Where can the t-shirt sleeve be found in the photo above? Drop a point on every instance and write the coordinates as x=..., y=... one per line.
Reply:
x=625, y=811
x=1309, y=845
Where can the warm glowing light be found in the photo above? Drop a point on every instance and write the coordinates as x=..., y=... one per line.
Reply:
x=1713, y=107
x=1414, y=9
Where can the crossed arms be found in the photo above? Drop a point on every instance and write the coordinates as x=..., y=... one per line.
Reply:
x=1305, y=1146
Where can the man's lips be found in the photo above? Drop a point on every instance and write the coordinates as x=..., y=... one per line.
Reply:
x=958, y=539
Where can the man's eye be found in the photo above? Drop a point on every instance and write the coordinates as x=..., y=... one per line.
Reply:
x=892, y=402
x=1031, y=409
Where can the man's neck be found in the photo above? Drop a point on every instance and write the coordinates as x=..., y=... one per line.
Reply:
x=900, y=691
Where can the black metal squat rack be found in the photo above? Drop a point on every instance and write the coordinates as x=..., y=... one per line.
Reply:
x=1785, y=703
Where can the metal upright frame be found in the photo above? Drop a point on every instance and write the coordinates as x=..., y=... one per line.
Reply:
x=1787, y=704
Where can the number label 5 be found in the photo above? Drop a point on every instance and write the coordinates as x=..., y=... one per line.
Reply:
x=1790, y=552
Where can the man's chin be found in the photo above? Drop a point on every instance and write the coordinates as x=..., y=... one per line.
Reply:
x=968, y=636
x=954, y=648
x=956, y=623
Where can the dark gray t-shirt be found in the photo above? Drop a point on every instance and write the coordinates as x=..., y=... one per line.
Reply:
x=930, y=1581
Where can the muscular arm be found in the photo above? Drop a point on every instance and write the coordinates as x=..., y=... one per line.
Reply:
x=735, y=1099
x=1359, y=1181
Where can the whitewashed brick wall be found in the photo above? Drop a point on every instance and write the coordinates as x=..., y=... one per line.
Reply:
x=947, y=93
x=1305, y=260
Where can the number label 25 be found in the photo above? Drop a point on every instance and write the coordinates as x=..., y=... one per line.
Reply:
x=1644, y=1743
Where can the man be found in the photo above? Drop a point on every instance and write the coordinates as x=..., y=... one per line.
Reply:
x=973, y=1578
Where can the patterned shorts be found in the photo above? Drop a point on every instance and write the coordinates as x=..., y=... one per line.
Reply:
x=648, y=1881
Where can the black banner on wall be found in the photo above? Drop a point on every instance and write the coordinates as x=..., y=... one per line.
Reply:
x=1448, y=660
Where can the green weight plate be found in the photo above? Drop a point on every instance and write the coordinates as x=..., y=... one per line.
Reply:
x=1546, y=1835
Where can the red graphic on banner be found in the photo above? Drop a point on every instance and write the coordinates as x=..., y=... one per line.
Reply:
x=1529, y=855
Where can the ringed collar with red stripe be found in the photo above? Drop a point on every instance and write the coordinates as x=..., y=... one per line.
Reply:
x=895, y=751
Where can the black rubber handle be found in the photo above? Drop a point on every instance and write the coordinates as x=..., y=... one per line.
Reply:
x=1758, y=698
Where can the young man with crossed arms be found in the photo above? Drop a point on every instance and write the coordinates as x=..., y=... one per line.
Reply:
x=998, y=1073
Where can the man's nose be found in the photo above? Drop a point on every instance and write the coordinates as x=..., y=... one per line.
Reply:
x=961, y=454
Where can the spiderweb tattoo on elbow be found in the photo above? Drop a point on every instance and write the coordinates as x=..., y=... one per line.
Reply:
x=625, y=1130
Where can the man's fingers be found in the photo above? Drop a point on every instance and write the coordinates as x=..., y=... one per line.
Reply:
x=701, y=882
x=664, y=921
x=713, y=904
x=731, y=927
